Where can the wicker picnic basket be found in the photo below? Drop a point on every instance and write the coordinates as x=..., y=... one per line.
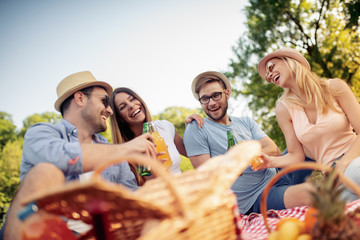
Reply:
x=300, y=166
x=197, y=204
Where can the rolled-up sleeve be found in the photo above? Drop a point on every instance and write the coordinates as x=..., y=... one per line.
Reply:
x=45, y=143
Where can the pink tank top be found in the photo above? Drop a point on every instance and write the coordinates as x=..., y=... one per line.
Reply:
x=327, y=139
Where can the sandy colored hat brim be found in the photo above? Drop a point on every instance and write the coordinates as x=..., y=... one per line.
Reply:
x=213, y=73
x=75, y=82
x=284, y=52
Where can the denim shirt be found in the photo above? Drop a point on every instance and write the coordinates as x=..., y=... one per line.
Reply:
x=58, y=144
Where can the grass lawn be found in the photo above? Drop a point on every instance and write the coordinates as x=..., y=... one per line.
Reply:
x=185, y=164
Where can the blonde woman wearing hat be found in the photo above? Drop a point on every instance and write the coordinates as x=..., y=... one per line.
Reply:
x=130, y=113
x=55, y=153
x=319, y=117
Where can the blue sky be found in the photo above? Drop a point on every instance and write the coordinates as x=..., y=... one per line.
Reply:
x=154, y=47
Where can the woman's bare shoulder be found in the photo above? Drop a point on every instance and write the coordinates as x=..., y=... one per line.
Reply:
x=337, y=84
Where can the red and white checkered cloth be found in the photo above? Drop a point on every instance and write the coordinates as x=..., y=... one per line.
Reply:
x=253, y=226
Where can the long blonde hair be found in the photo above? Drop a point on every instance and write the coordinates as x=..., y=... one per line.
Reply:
x=120, y=130
x=315, y=91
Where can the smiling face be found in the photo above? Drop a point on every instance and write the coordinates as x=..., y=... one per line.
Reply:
x=216, y=110
x=278, y=72
x=96, y=111
x=130, y=109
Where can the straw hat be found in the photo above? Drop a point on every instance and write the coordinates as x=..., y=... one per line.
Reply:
x=197, y=81
x=75, y=82
x=284, y=52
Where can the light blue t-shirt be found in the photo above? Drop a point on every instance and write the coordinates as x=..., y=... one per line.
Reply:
x=211, y=139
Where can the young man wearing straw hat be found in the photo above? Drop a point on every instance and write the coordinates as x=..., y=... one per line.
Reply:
x=55, y=153
x=212, y=90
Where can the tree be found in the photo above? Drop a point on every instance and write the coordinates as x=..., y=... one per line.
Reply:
x=10, y=155
x=7, y=129
x=352, y=8
x=321, y=30
x=177, y=116
x=10, y=158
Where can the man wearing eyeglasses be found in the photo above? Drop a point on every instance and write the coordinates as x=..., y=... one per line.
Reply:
x=212, y=90
x=55, y=153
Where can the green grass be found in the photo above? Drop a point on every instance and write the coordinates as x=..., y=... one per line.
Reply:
x=185, y=164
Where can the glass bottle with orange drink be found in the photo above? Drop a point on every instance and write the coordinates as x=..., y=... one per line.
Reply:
x=160, y=145
x=233, y=136
x=257, y=162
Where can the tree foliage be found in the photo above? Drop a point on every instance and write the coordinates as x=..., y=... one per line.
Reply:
x=352, y=9
x=10, y=158
x=11, y=152
x=325, y=31
x=7, y=129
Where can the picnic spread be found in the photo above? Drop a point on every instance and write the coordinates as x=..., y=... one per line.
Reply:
x=196, y=204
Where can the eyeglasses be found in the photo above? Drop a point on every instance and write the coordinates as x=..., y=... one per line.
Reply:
x=215, y=96
x=105, y=99
x=269, y=68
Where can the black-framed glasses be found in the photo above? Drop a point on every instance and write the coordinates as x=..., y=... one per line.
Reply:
x=216, y=96
x=269, y=68
x=105, y=99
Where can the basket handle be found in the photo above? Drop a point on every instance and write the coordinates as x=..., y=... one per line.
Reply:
x=306, y=165
x=157, y=169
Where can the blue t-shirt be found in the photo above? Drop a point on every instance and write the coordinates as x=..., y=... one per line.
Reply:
x=58, y=144
x=211, y=139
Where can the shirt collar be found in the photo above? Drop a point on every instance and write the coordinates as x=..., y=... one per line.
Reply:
x=72, y=130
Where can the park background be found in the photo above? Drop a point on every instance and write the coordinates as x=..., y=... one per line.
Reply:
x=157, y=48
